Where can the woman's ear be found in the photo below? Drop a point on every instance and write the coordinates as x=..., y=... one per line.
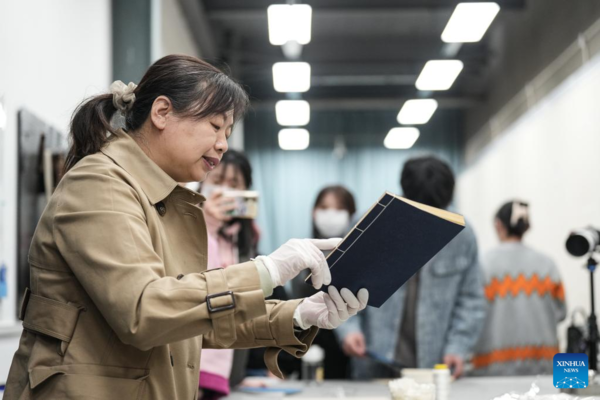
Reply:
x=160, y=110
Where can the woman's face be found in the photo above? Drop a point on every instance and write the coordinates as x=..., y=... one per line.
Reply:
x=330, y=217
x=227, y=175
x=189, y=149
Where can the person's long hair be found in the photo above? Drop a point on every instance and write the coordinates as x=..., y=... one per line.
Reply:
x=196, y=89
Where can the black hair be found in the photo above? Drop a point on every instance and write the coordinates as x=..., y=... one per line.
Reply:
x=515, y=227
x=343, y=195
x=239, y=161
x=428, y=180
x=195, y=88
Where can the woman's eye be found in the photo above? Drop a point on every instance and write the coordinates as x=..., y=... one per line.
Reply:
x=217, y=127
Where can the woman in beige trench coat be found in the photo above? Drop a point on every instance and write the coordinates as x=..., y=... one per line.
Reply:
x=120, y=301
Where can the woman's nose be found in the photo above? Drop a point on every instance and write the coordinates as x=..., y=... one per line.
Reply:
x=221, y=145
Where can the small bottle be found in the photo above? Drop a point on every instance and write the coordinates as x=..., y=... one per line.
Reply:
x=441, y=380
x=312, y=364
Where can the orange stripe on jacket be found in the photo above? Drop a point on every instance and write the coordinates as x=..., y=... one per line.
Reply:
x=508, y=285
x=515, y=354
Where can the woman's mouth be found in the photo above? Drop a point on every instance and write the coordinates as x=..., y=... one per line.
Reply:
x=211, y=162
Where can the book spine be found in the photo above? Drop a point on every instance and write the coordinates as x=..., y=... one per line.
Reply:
x=359, y=229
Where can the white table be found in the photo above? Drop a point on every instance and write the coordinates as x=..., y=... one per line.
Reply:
x=463, y=389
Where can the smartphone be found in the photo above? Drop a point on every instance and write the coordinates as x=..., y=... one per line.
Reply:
x=246, y=203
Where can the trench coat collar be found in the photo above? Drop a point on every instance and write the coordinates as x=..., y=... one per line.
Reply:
x=155, y=182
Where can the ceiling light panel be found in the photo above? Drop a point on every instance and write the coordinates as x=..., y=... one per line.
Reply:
x=291, y=77
x=417, y=112
x=292, y=112
x=401, y=138
x=439, y=74
x=293, y=139
x=289, y=22
x=469, y=22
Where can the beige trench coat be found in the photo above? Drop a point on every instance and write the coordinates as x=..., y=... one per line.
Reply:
x=118, y=303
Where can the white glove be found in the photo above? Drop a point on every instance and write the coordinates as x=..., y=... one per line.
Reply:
x=297, y=254
x=328, y=311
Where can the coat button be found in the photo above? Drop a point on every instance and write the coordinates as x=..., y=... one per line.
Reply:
x=161, y=208
x=180, y=276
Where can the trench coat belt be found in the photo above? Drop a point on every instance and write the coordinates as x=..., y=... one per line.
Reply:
x=220, y=302
x=49, y=317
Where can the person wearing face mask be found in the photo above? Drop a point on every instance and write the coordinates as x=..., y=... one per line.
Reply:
x=333, y=211
x=121, y=302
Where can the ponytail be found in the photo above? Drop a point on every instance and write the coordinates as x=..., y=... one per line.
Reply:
x=89, y=127
x=196, y=89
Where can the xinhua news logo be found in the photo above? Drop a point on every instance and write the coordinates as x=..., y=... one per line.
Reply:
x=571, y=370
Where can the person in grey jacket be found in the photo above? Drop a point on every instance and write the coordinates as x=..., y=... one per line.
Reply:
x=438, y=315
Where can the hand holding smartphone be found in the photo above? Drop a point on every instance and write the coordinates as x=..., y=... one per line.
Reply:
x=246, y=203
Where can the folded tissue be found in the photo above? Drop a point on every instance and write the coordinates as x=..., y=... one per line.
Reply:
x=408, y=389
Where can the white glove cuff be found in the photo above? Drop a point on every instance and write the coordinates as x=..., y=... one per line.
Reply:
x=272, y=268
x=266, y=282
x=298, y=319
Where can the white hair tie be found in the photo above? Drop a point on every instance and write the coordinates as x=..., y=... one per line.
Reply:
x=123, y=96
x=518, y=211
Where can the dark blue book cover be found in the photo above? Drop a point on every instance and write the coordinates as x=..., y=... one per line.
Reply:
x=392, y=241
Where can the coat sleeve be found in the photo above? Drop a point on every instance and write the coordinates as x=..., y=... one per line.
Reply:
x=275, y=331
x=468, y=315
x=100, y=229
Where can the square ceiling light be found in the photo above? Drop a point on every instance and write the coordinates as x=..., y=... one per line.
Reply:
x=291, y=77
x=289, y=22
x=417, y=112
x=293, y=139
x=401, y=138
x=469, y=22
x=292, y=112
x=439, y=74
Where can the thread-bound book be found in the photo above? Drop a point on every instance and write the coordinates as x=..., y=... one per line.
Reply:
x=391, y=242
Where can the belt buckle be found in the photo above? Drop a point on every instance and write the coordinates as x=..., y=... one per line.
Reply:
x=212, y=309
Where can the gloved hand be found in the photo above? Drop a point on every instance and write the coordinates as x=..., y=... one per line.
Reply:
x=297, y=254
x=328, y=311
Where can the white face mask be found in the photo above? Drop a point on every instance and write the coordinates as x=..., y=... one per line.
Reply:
x=331, y=222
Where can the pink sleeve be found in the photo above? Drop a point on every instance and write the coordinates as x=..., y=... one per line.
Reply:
x=215, y=365
x=215, y=368
x=214, y=258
